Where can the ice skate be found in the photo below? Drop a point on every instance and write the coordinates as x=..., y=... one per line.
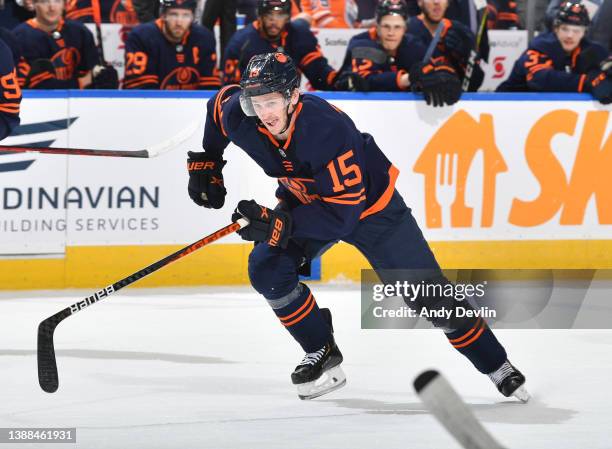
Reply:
x=510, y=382
x=319, y=372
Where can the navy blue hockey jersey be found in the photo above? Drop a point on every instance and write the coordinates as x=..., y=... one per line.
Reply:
x=10, y=92
x=545, y=67
x=70, y=48
x=417, y=28
x=330, y=175
x=296, y=40
x=367, y=57
x=153, y=62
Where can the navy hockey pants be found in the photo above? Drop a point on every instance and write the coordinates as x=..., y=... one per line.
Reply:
x=390, y=239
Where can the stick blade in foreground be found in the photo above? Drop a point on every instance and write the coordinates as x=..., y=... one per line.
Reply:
x=448, y=407
x=47, y=366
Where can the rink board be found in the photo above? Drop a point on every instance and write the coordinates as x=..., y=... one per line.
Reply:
x=530, y=188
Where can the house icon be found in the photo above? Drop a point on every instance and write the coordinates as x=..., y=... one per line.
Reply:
x=446, y=161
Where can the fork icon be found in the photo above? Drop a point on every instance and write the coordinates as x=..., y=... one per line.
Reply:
x=446, y=185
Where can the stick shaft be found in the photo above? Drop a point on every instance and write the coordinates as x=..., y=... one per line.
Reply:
x=47, y=365
x=74, y=151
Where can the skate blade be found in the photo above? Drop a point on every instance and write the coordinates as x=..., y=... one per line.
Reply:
x=522, y=394
x=329, y=381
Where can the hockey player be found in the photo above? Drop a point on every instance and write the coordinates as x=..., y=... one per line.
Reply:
x=58, y=53
x=382, y=58
x=10, y=97
x=172, y=52
x=456, y=41
x=334, y=184
x=563, y=60
x=331, y=13
x=102, y=11
x=502, y=15
x=274, y=31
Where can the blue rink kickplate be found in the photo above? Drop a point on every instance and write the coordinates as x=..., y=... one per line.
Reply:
x=315, y=271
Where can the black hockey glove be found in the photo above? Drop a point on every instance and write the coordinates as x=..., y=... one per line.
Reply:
x=206, y=186
x=265, y=225
x=599, y=84
x=350, y=81
x=104, y=77
x=437, y=81
x=587, y=60
x=458, y=42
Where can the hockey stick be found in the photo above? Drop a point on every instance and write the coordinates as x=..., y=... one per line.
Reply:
x=97, y=16
x=448, y=407
x=153, y=151
x=469, y=68
x=434, y=42
x=47, y=365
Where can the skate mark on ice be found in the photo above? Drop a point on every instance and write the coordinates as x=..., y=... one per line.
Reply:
x=505, y=411
x=122, y=355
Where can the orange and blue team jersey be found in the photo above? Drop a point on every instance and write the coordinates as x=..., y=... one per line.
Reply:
x=70, y=48
x=545, y=67
x=10, y=97
x=102, y=11
x=417, y=28
x=331, y=13
x=153, y=62
x=330, y=175
x=367, y=57
x=296, y=40
x=502, y=15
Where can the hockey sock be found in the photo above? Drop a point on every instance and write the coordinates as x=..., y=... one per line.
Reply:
x=479, y=345
x=304, y=320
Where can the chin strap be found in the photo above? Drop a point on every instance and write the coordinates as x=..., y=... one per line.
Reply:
x=289, y=115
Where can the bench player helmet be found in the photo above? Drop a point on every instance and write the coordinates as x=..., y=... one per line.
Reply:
x=394, y=7
x=265, y=6
x=183, y=4
x=267, y=73
x=572, y=13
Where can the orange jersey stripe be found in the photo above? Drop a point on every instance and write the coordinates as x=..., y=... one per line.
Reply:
x=468, y=333
x=302, y=316
x=347, y=195
x=298, y=109
x=348, y=202
x=9, y=110
x=384, y=199
x=297, y=312
x=471, y=340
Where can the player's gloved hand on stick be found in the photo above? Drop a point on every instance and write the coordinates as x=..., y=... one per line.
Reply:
x=599, y=84
x=437, y=81
x=265, y=225
x=104, y=77
x=459, y=42
x=353, y=82
x=206, y=186
x=587, y=60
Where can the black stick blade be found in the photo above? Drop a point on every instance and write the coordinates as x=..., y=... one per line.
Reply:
x=424, y=379
x=47, y=366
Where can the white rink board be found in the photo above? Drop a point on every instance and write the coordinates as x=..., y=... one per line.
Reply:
x=488, y=138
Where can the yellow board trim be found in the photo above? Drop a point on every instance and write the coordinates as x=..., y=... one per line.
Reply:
x=226, y=264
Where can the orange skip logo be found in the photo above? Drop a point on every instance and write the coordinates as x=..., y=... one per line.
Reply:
x=445, y=162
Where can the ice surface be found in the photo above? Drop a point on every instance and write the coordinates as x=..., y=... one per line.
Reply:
x=209, y=368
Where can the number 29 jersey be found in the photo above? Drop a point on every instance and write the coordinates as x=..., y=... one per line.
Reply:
x=153, y=62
